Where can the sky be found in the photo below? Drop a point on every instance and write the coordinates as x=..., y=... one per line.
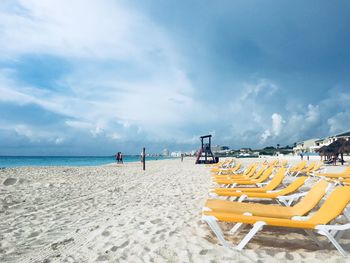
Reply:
x=93, y=77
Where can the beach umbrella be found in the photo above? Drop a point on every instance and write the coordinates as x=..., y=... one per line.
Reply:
x=333, y=150
x=328, y=151
x=335, y=146
x=345, y=148
x=321, y=150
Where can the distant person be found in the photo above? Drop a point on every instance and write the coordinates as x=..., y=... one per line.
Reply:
x=117, y=157
x=301, y=156
x=120, y=157
x=182, y=157
x=307, y=156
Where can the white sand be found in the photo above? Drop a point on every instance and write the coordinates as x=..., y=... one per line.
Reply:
x=123, y=214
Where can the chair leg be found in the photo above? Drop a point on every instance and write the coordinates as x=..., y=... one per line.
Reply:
x=346, y=214
x=314, y=238
x=281, y=202
x=334, y=242
x=211, y=221
x=241, y=198
x=257, y=226
x=235, y=228
x=339, y=235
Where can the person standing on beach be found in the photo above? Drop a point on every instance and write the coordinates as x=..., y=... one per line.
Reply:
x=117, y=157
x=120, y=157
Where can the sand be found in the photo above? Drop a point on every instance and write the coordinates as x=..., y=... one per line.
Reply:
x=119, y=213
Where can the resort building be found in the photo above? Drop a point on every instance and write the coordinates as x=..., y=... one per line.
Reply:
x=344, y=135
x=165, y=152
x=245, y=150
x=175, y=154
x=312, y=145
x=305, y=146
x=218, y=148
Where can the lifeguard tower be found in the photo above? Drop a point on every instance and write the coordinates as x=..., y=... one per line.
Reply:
x=205, y=154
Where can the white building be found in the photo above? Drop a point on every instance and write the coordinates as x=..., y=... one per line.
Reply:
x=313, y=145
x=175, y=154
x=305, y=146
x=165, y=152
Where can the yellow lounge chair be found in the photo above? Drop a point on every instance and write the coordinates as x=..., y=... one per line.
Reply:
x=345, y=173
x=232, y=170
x=298, y=167
x=266, y=174
x=228, y=170
x=284, y=195
x=222, y=165
x=320, y=221
x=283, y=163
x=342, y=181
x=240, y=176
x=274, y=182
x=247, y=174
x=313, y=167
x=316, y=168
x=271, y=163
x=311, y=199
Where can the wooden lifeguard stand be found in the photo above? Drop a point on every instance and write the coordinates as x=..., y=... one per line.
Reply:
x=205, y=153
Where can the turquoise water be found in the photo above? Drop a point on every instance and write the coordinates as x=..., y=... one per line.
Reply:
x=16, y=161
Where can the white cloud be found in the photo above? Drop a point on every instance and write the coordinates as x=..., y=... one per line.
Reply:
x=25, y=131
x=59, y=140
x=275, y=129
x=36, y=134
x=78, y=124
x=89, y=34
x=312, y=114
x=263, y=88
x=264, y=136
x=76, y=28
x=115, y=136
x=277, y=122
x=339, y=122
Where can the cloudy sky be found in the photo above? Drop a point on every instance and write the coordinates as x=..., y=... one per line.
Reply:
x=92, y=77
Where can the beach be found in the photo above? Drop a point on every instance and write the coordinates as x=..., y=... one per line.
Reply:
x=119, y=213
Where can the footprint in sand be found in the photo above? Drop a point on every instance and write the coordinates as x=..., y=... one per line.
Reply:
x=34, y=234
x=203, y=252
x=9, y=181
x=156, y=221
x=115, y=248
x=106, y=233
x=102, y=258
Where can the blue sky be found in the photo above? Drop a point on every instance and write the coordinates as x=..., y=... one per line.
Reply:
x=95, y=77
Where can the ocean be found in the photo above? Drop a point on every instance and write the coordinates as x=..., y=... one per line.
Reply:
x=17, y=161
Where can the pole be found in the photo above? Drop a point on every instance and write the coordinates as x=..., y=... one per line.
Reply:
x=144, y=158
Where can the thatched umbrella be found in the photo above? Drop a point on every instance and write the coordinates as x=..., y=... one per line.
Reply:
x=322, y=151
x=345, y=148
x=327, y=152
x=334, y=149
x=336, y=145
